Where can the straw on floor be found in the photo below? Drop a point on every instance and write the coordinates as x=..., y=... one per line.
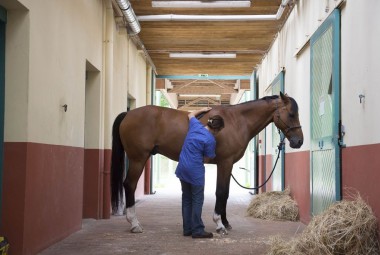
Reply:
x=346, y=227
x=274, y=205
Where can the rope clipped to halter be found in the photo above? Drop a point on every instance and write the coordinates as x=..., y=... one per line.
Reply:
x=280, y=146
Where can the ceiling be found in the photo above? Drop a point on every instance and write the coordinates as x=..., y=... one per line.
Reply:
x=249, y=40
x=194, y=94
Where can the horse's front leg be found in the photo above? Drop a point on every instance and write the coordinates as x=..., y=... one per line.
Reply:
x=222, y=193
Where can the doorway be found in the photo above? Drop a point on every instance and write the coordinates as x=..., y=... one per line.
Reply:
x=325, y=114
x=92, y=177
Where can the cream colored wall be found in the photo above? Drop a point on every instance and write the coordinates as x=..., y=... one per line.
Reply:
x=93, y=108
x=61, y=36
x=137, y=76
x=17, y=75
x=48, y=46
x=64, y=35
x=121, y=70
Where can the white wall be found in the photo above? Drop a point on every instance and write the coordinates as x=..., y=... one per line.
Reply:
x=360, y=35
x=291, y=51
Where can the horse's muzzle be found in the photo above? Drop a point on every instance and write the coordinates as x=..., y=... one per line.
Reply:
x=295, y=143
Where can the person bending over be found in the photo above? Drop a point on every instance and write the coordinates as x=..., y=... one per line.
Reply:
x=198, y=148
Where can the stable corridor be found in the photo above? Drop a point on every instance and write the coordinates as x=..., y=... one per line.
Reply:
x=160, y=215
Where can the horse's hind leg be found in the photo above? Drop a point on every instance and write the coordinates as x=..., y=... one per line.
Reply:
x=130, y=183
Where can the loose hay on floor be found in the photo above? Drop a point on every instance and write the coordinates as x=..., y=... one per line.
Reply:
x=274, y=205
x=346, y=227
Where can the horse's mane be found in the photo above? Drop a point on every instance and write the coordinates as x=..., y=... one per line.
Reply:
x=294, y=106
x=270, y=97
x=263, y=98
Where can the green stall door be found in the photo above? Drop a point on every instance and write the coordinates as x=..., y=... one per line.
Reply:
x=325, y=115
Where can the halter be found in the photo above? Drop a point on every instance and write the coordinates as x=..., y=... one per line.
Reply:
x=280, y=146
x=288, y=128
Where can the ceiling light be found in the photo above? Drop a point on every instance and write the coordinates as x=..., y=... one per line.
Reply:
x=201, y=4
x=200, y=95
x=202, y=55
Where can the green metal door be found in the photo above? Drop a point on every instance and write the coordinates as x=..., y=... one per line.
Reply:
x=3, y=19
x=278, y=180
x=253, y=143
x=325, y=114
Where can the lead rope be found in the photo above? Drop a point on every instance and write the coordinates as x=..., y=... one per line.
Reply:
x=280, y=147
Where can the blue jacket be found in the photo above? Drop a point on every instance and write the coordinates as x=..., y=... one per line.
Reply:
x=199, y=143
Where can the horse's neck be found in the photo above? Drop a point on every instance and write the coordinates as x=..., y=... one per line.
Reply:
x=258, y=114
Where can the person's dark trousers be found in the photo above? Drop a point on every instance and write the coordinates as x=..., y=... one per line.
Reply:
x=192, y=203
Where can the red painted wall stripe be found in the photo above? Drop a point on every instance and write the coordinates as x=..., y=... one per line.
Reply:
x=43, y=192
x=297, y=178
x=361, y=172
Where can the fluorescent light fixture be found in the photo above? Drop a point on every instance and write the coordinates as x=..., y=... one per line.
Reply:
x=179, y=17
x=201, y=4
x=199, y=95
x=201, y=55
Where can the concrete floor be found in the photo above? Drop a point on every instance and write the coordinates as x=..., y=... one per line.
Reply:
x=160, y=215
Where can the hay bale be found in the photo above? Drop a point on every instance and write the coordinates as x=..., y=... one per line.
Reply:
x=346, y=227
x=274, y=205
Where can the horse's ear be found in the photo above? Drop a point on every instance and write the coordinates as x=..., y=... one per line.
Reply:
x=284, y=98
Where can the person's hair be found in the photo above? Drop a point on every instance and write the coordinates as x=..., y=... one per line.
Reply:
x=215, y=122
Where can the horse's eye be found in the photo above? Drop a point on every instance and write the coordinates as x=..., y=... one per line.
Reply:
x=291, y=115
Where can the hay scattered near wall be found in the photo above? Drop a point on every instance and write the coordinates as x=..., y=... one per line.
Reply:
x=346, y=227
x=274, y=205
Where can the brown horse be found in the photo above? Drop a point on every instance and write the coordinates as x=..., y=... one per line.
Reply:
x=151, y=129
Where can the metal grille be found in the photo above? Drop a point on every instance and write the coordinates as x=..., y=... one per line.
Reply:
x=322, y=87
x=323, y=180
x=322, y=118
x=277, y=174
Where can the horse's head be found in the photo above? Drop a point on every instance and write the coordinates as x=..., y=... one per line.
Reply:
x=286, y=119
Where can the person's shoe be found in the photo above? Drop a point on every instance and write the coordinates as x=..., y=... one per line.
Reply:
x=203, y=235
x=187, y=234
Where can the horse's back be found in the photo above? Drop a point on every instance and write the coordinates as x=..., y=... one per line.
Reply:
x=149, y=128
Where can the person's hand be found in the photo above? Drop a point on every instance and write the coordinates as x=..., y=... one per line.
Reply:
x=196, y=113
x=206, y=109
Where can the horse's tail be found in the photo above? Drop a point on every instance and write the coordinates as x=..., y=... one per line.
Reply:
x=117, y=162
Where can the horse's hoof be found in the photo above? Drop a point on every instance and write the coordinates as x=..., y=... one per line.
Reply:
x=222, y=231
x=228, y=226
x=137, y=229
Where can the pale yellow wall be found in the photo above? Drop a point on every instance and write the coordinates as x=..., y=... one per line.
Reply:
x=137, y=76
x=61, y=36
x=48, y=46
x=17, y=75
x=93, y=127
x=121, y=71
